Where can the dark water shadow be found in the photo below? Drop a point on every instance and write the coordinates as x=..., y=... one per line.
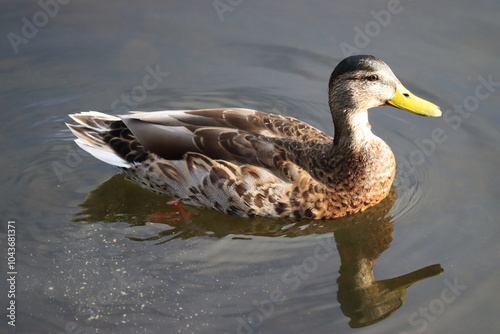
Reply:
x=360, y=239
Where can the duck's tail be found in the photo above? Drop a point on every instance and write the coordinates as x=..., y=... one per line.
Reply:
x=107, y=138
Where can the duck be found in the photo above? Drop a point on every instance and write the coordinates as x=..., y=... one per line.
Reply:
x=251, y=163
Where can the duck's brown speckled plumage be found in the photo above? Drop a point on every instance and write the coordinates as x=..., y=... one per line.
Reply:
x=250, y=163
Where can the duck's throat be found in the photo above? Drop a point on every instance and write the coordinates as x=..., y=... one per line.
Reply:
x=352, y=130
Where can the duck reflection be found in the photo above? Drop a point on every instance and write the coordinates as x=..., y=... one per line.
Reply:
x=363, y=299
x=360, y=240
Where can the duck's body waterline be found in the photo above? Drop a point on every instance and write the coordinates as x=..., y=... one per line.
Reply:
x=250, y=163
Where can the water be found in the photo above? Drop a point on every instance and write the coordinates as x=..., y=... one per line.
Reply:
x=96, y=254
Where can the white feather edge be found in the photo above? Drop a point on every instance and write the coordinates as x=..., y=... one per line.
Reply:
x=103, y=154
x=95, y=114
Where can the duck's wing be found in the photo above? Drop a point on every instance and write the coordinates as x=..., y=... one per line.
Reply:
x=232, y=134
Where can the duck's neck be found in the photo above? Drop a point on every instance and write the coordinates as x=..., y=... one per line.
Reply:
x=359, y=160
x=352, y=130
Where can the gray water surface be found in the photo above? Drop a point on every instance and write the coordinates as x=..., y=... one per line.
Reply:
x=97, y=254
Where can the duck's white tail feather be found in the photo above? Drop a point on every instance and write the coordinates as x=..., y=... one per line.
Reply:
x=90, y=134
x=103, y=153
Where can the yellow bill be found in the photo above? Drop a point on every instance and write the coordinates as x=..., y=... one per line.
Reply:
x=405, y=100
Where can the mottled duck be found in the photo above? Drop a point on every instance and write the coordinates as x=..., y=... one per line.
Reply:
x=250, y=163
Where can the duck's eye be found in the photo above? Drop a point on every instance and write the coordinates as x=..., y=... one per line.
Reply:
x=373, y=77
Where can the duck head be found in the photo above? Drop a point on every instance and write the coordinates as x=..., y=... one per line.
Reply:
x=359, y=83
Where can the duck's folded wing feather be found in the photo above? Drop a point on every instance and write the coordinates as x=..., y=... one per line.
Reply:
x=253, y=121
x=242, y=135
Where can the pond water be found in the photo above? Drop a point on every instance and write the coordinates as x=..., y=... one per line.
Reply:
x=97, y=254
